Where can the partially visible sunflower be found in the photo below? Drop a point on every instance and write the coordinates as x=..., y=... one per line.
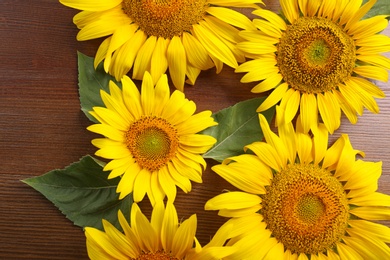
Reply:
x=161, y=238
x=300, y=199
x=151, y=138
x=320, y=60
x=186, y=36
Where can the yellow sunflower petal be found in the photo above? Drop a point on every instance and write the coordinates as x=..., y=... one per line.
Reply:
x=141, y=185
x=167, y=184
x=368, y=247
x=101, y=52
x=273, y=98
x=272, y=17
x=292, y=106
x=102, y=240
x=276, y=252
x=196, y=53
x=102, y=27
x=176, y=56
x=360, y=13
x=348, y=110
x=233, y=200
x=246, y=182
x=121, y=242
x=272, y=139
x=372, y=72
x=350, y=11
x=162, y=94
x=312, y=7
x=169, y=227
x=329, y=110
x=266, y=153
x=119, y=37
x=373, y=199
x=304, y=148
x=191, y=173
x=180, y=180
x=192, y=74
x=196, y=123
x=214, y=45
x=146, y=232
x=144, y=56
x=368, y=228
x=308, y=111
x=267, y=84
x=346, y=252
x=184, y=237
x=111, y=118
x=159, y=62
x=371, y=213
x=131, y=97
x=290, y=10
x=184, y=113
x=91, y=5
x=237, y=213
x=155, y=192
x=368, y=27
x=147, y=95
x=231, y=16
x=126, y=184
x=320, y=143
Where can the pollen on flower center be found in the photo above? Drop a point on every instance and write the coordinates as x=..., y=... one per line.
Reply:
x=159, y=255
x=165, y=18
x=315, y=55
x=152, y=141
x=305, y=208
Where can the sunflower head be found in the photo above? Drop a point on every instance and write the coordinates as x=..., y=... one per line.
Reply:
x=297, y=197
x=318, y=58
x=151, y=138
x=163, y=237
x=184, y=36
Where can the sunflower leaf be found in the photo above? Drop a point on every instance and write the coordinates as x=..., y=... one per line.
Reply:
x=83, y=193
x=238, y=126
x=381, y=7
x=91, y=81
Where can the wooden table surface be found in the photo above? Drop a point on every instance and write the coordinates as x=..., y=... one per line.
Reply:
x=42, y=128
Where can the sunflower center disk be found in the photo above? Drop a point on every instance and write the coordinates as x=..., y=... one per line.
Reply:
x=165, y=18
x=152, y=141
x=306, y=209
x=315, y=55
x=159, y=255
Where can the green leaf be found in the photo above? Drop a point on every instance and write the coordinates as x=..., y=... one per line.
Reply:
x=83, y=193
x=238, y=126
x=91, y=81
x=381, y=7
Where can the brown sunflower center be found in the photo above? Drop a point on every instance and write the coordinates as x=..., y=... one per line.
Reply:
x=152, y=141
x=315, y=55
x=306, y=209
x=165, y=18
x=159, y=255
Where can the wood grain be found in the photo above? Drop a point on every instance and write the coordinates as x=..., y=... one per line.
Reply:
x=42, y=128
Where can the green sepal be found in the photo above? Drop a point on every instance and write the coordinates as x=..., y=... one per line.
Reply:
x=83, y=193
x=238, y=126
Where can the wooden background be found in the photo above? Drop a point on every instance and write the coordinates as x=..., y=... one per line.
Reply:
x=42, y=128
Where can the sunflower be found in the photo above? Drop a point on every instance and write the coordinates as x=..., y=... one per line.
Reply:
x=302, y=199
x=186, y=36
x=151, y=138
x=321, y=59
x=161, y=238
